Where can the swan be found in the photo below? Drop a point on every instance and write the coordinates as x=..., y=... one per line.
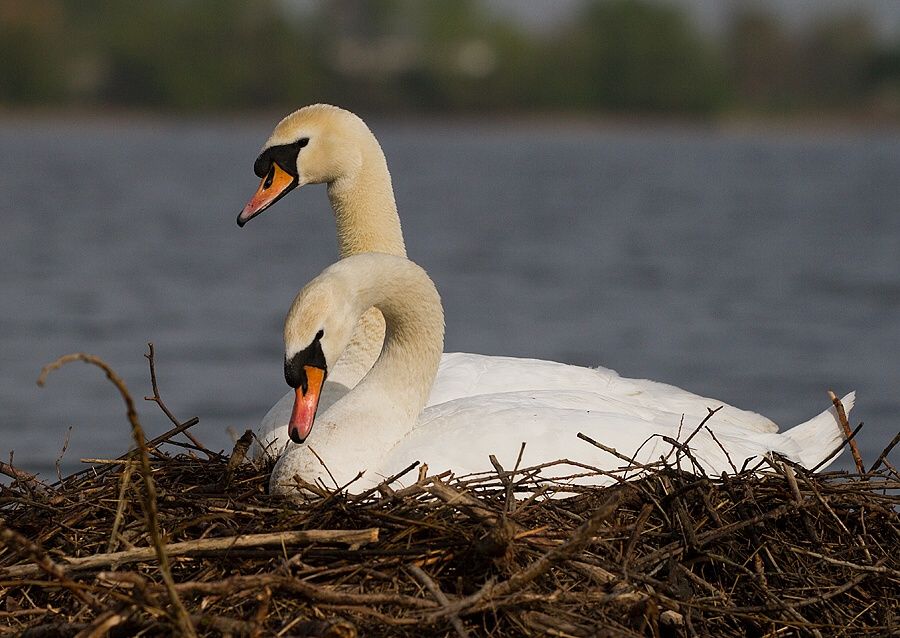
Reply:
x=326, y=144
x=382, y=424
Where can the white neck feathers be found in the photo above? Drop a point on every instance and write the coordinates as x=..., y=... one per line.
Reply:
x=364, y=206
x=414, y=335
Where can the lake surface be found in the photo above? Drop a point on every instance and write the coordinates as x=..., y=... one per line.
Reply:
x=758, y=268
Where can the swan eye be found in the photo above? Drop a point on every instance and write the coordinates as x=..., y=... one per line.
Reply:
x=303, y=142
x=319, y=335
x=270, y=176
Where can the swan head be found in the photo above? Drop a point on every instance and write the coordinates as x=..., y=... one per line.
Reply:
x=313, y=145
x=317, y=329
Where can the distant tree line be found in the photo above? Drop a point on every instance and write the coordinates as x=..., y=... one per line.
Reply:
x=432, y=55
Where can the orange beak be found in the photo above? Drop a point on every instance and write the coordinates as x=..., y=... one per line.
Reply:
x=273, y=187
x=305, y=403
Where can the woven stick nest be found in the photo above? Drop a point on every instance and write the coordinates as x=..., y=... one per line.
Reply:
x=156, y=543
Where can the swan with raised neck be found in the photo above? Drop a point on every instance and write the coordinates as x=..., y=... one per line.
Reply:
x=320, y=144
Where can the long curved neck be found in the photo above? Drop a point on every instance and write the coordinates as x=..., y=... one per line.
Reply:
x=367, y=221
x=362, y=427
x=365, y=208
x=385, y=405
x=413, y=343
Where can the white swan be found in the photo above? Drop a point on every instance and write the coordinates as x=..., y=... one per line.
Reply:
x=326, y=144
x=380, y=427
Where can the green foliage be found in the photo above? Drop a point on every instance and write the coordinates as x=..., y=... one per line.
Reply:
x=613, y=55
x=194, y=55
x=30, y=64
x=644, y=56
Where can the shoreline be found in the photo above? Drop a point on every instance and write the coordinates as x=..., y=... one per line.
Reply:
x=805, y=122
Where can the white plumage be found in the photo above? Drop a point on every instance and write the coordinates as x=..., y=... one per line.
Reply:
x=489, y=405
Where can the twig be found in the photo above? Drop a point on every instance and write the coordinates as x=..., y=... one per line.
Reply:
x=876, y=569
x=353, y=538
x=181, y=618
x=309, y=590
x=168, y=434
x=310, y=487
x=684, y=449
x=62, y=453
x=451, y=496
x=157, y=399
x=339, y=490
x=26, y=478
x=386, y=482
x=419, y=486
x=734, y=469
x=690, y=534
x=885, y=452
x=432, y=587
x=812, y=486
x=508, y=500
x=120, y=507
x=845, y=425
x=322, y=463
x=642, y=518
x=609, y=450
x=837, y=450
x=710, y=414
x=795, y=490
x=238, y=454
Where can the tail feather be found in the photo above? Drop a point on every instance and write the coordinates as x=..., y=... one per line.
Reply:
x=821, y=435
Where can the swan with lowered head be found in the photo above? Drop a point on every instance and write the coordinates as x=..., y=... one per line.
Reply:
x=326, y=144
x=380, y=427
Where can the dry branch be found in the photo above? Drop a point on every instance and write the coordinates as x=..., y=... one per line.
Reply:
x=435, y=591
x=26, y=478
x=181, y=618
x=353, y=538
x=157, y=399
x=845, y=425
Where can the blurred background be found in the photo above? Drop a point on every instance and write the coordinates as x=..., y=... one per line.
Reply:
x=702, y=192
x=696, y=57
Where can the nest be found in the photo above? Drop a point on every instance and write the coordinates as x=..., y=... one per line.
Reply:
x=158, y=543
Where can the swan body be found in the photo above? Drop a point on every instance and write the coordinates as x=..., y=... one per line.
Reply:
x=382, y=424
x=461, y=375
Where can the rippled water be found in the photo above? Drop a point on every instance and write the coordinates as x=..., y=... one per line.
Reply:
x=758, y=268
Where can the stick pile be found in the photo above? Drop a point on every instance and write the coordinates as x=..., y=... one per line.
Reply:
x=776, y=552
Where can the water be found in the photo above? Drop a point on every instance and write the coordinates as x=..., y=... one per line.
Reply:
x=758, y=268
